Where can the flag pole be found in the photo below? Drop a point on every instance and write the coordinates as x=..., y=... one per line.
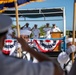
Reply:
x=17, y=21
x=74, y=26
x=18, y=29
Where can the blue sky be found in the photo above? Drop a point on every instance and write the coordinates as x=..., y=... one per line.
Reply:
x=68, y=4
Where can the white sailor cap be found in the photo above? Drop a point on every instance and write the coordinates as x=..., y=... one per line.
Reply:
x=25, y=32
x=5, y=23
x=68, y=40
x=71, y=49
x=63, y=57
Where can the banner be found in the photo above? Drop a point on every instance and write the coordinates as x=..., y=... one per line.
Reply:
x=11, y=46
x=46, y=45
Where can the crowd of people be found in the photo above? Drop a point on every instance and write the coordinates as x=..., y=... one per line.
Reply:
x=17, y=66
x=36, y=32
x=44, y=65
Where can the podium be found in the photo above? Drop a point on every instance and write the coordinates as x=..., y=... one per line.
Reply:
x=57, y=35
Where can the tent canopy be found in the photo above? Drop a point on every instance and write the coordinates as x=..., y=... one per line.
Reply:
x=36, y=13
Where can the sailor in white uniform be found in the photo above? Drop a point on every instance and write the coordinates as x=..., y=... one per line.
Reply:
x=47, y=31
x=36, y=32
x=64, y=57
x=55, y=28
x=26, y=27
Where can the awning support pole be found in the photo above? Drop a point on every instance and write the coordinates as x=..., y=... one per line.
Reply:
x=64, y=21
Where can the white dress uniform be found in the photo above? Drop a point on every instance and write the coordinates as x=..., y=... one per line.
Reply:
x=55, y=29
x=47, y=32
x=35, y=33
x=64, y=59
